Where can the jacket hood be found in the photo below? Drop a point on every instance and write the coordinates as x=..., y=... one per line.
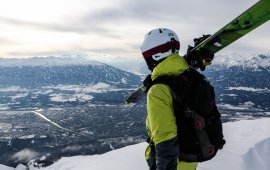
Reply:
x=172, y=65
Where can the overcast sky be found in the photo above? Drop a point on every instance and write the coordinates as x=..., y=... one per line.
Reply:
x=115, y=27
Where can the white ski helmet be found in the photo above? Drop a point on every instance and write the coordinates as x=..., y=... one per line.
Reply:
x=158, y=44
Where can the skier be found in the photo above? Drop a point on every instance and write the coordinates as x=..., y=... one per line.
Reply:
x=160, y=50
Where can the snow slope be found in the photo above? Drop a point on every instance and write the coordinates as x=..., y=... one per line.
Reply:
x=247, y=148
x=3, y=167
x=243, y=151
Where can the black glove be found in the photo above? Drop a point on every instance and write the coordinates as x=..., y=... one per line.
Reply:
x=206, y=54
x=197, y=41
x=199, y=59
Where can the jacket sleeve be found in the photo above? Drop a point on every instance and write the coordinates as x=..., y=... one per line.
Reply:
x=162, y=124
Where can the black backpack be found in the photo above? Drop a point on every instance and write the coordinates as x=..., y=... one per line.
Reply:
x=199, y=125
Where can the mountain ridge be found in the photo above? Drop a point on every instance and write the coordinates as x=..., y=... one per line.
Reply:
x=251, y=61
x=258, y=61
x=46, y=61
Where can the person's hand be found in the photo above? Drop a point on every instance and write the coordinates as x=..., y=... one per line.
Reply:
x=200, y=58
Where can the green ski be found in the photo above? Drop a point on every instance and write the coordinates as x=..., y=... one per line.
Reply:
x=252, y=18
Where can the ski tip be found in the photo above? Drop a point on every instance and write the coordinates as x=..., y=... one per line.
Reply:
x=135, y=97
x=130, y=104
x=131, y=100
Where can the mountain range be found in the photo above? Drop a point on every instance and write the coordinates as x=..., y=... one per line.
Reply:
x=68, y=105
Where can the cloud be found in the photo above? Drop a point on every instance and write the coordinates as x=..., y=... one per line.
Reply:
x=112, y=27
x=75, y=148
x=72, y=148
x=25, y=155
x=4, y=41
x=190, y=19
x=139, y=11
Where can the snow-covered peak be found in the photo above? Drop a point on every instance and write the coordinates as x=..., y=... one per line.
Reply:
x=56, y=60
x=253, y=61
x=260, y=60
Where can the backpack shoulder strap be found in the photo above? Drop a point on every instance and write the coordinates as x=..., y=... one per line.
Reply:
x=189, y=75
x=180, y=84
x=168, y=80
x=173, y=83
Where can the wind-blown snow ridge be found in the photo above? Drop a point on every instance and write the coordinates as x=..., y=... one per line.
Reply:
x=247, y=148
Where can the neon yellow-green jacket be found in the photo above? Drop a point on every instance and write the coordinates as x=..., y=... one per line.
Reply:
x=161, y=122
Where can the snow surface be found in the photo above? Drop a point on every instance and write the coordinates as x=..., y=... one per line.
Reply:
x=247, y=148
x=3, y=167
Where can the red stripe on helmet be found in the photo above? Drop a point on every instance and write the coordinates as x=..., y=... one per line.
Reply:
x=161, y=48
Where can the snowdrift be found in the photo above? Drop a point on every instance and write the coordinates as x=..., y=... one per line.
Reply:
x=247, y=148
